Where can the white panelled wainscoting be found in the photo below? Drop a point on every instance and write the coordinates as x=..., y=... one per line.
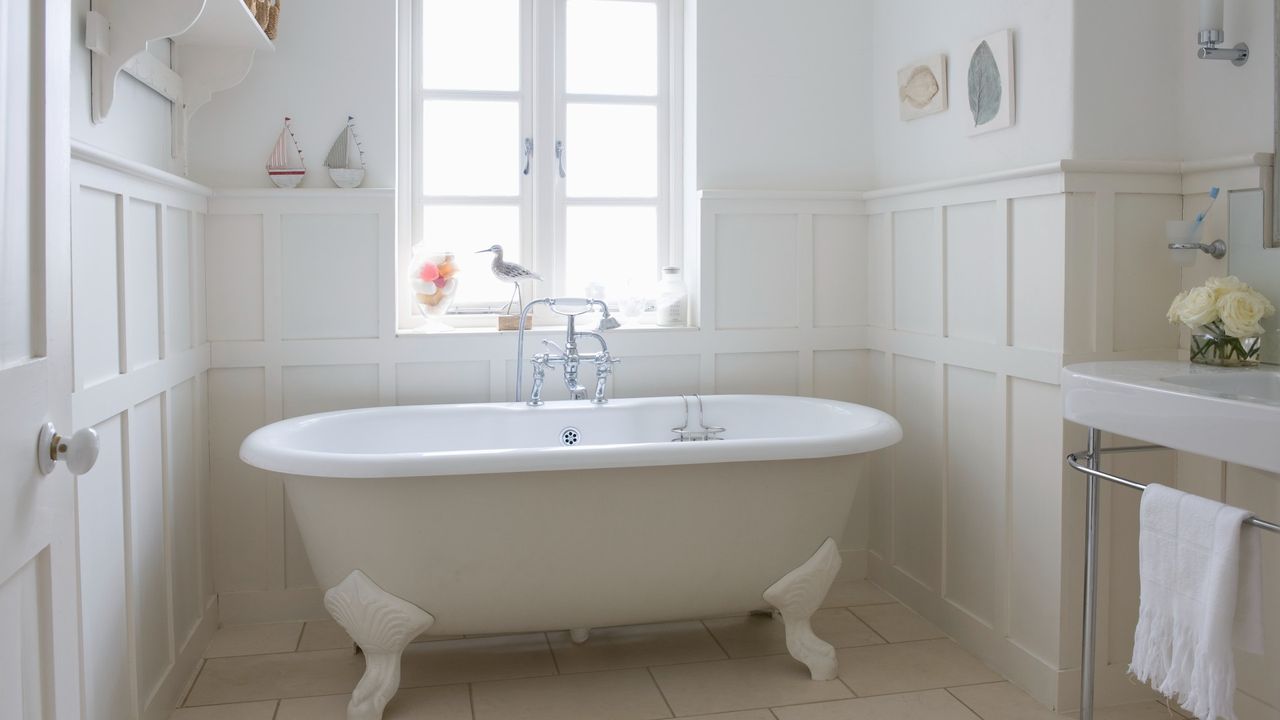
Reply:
x=976, y=522
x=148, y=606
x=952, y=305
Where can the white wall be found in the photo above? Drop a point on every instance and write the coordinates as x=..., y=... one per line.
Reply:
x=781, y=96
x=938, y=146
x=332, y=59
x=1142, y=94
x=140, y=360
x=782, y=93
x=1226, y=110
x=1127, y=80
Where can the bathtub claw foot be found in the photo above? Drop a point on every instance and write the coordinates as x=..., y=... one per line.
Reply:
x=579, y=635
x=381, y=625
x=798, y=595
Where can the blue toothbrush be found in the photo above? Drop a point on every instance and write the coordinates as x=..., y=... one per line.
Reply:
x=1213, y=197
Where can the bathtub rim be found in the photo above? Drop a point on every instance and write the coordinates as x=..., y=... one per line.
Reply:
x=266, y=448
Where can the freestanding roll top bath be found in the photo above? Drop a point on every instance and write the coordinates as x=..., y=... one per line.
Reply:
x=491, y=518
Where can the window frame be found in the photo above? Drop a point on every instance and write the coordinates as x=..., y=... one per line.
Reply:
x=542, y=200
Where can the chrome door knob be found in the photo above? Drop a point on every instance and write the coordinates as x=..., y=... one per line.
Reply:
x=80, y=451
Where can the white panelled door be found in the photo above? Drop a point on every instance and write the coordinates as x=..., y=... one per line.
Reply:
x=39, y=647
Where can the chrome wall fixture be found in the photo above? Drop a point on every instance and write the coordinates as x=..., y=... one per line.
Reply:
x=1217, y=248
x=1211, y=36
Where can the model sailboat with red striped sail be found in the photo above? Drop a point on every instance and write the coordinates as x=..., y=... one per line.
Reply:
x=285, y=167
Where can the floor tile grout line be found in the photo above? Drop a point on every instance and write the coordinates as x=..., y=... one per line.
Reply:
x=851, y=690
x=546, y=638
x=654, y=679
x=471, y=699
x=190, y=689
x=475, y=682
x=880, y=695
x=302, y=631
x=965, y=704
x=668, y=664
x=715, y=639
x=875, y=632
x=682, y=663
x=565, y=675
x=276, y=711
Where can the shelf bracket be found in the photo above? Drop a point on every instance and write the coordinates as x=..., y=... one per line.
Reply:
x=130, y=25
x=205, y=70
x=150, y=71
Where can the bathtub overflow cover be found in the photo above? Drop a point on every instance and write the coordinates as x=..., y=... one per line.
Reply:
x=570, y=436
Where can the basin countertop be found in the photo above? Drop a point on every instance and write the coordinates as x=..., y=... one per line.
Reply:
x=1177, y=405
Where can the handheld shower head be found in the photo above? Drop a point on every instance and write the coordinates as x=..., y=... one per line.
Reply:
x=607, y=322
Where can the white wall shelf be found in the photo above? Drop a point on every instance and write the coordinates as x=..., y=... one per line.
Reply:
x=214, y=43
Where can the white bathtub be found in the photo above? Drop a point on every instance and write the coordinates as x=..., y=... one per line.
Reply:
x=478, y=519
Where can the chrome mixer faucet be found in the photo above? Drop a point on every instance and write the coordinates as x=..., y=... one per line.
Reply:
x=568, y=359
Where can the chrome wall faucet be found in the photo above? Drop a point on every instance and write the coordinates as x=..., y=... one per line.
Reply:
x=568, y=358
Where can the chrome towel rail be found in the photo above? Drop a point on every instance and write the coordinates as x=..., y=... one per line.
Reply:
x=1090, y=466
x=1074, y=462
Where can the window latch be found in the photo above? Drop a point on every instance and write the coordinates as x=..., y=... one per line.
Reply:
x=560, y=156
x=528, y=155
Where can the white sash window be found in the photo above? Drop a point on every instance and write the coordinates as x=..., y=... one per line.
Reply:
x=547, y=127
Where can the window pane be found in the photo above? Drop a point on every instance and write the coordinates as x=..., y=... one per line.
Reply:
x=614, y=246
x=611, y=47
x=471, y=44
x=464, y=229
x=612, y=150
x=471, y=148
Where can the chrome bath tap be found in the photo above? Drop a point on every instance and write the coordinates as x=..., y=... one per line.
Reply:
x=568, y=359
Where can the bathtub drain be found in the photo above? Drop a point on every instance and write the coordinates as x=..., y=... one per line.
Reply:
x=569, y=436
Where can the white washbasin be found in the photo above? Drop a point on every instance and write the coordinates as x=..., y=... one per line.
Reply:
x=1225, y=413
x=1254, y=385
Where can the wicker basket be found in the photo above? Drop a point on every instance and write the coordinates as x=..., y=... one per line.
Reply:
x=273, y=20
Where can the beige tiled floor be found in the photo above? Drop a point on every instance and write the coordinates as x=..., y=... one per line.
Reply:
x=894, y=665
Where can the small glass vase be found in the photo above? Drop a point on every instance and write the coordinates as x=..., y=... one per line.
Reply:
x=434, y=283
x=1210, y=348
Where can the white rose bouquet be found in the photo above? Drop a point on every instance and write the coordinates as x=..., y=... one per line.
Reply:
x=1225, y=316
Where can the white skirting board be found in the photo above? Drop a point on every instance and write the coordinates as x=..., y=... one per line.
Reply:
x=182, y=674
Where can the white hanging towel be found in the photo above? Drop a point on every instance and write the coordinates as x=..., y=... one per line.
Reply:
x=1201, y=575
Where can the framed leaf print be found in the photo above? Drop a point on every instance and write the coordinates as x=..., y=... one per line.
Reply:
x=989, y=81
